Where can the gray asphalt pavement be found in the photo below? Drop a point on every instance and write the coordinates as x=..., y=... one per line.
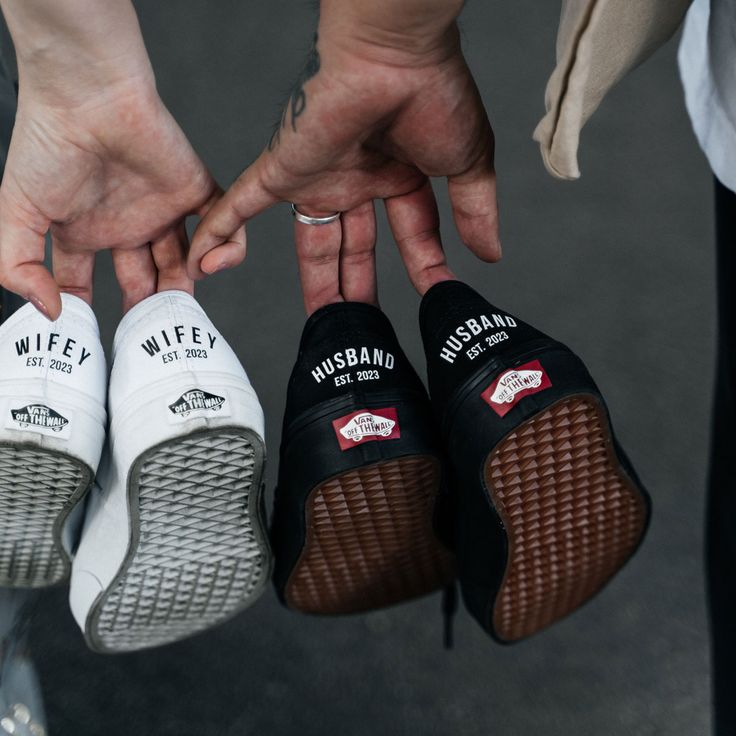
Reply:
x=619, y=265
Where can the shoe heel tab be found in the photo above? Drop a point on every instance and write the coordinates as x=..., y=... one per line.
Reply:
x=74, y=307
x=170, y=299
x=436, y=299
x=450, y=301
x=341, y=317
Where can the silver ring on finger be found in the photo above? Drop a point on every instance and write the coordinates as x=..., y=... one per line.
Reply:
x=307, y=220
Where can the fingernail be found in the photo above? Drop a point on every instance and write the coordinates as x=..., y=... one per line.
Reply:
x=40, y=306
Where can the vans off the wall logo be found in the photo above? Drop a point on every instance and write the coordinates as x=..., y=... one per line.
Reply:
x=514, y=384
x=366, y=425
x=40, y=416
x=195, y=400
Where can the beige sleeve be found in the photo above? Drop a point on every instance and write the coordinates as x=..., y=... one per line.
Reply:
x=598, y=42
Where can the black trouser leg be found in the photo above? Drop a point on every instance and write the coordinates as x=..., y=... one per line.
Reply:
x=721, y=515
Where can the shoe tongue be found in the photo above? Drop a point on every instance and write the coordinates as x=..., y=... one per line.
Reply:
x=346, y=349
x=462, y=332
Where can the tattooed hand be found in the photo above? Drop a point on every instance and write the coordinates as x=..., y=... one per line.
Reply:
x=370, y=118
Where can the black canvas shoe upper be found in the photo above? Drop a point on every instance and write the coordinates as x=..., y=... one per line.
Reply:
x=463, y=333
x=353, y=399
x=347, y=349
x=488, y=372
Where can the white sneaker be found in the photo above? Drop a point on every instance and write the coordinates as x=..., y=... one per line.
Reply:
x=52, y=428
x=174, y=538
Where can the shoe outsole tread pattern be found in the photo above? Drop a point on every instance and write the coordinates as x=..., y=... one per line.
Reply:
x=370, y=540
x=38, y=489
x=200, y=552
x=572, y=515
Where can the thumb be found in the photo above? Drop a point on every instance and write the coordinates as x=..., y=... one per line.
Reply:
x=475, y=206
x=22, y=270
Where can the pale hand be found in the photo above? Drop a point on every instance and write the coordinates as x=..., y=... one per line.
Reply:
x=112, y=171
x=360, y=127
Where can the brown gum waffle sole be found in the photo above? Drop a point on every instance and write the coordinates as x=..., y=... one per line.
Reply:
x=572, y=515
x=370, y=541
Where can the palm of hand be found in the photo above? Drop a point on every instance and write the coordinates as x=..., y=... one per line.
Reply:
x=115, y=174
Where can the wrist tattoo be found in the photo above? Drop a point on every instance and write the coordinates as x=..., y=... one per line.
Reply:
x=297, y=101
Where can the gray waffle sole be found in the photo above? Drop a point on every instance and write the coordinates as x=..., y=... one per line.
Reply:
x=38, y=489
x=199, y=552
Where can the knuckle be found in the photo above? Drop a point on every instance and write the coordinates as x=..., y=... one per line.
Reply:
x=358, y=257
x=320, y=259
x=421, y=238
x=168, y=260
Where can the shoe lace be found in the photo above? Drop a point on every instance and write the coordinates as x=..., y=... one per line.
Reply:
x=449, y=608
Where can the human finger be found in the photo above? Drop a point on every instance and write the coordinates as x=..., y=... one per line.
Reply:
x=136, y=273
x=415, y=223
x=358, y=255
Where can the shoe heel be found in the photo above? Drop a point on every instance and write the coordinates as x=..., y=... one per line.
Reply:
x=553, y=509
x=370, y=539
x=198, y=553
x=49, y=449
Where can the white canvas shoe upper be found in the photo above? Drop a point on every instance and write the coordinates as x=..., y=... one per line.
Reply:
x=172, y=374
x=53, y=381
x=165, y=348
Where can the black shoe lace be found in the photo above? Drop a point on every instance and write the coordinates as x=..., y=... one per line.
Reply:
x=449, y=607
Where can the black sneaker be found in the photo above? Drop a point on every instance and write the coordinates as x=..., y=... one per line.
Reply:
x=548, y=506
x=360, y=471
